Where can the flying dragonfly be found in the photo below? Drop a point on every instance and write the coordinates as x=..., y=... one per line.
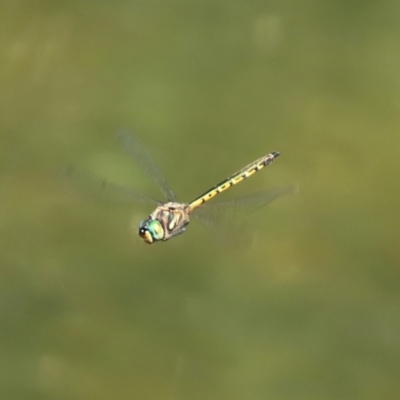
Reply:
x=171, y=218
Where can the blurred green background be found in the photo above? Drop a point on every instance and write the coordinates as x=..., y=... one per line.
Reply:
x=310, y=309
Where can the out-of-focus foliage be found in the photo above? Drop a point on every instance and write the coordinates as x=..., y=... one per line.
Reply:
x=309, y=309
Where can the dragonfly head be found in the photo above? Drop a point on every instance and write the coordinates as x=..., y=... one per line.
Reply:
x=151, y=230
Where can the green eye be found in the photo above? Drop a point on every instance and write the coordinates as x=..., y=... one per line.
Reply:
x=156, y=229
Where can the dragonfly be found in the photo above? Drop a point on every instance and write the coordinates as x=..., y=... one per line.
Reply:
x=171, y=218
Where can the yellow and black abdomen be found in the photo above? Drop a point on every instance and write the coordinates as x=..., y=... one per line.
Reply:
x=234, y=179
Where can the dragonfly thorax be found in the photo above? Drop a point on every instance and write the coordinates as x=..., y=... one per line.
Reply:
x=167, y=220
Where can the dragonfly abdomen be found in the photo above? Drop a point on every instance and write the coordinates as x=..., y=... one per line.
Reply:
x=234, y=179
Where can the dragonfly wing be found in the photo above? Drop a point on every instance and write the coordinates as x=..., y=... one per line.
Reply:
x=227, y=212
x=135, y=150
x=87, y=182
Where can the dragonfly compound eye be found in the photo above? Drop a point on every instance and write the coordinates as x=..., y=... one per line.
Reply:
x=156, y=229
x=151, y=230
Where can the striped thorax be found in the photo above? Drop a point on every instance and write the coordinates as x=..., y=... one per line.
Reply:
x=168, y=220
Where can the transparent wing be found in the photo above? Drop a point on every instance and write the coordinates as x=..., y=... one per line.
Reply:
x=230, y=212
x=87, y=182
x=135, y=150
